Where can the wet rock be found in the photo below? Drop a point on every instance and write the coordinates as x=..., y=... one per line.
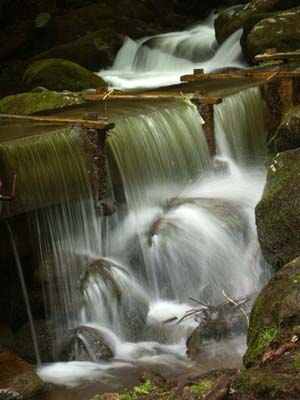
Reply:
x=119, y=294
x=226, y=24
x=273, y=322
x=87, y=344
x=287, y=136
x=60, y=74
x=7, y=340
x=18, y=379
x=32, y=102
x=277, y=213
x=45, y=335
x=106, y=208
x=279, y=31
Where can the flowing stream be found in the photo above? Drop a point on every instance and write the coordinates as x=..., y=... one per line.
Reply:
x=160, y=60
x=185, y=227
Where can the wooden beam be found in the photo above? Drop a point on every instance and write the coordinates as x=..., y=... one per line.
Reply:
x=242, y=74
x=99, y=124
x=290, y=55
x=137, y=96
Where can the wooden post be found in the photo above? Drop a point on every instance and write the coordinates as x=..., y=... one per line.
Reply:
x=94, y=142
x=207, y=113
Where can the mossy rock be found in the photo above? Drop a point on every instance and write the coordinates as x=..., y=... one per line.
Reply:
x=280, y=32
x=18, y=380
x=287, y=136
x=32, y=102
x=60, y=74
x=93, y=51
x=277, y=213
x=226, y=24
x=275, y=314
x=265, y=384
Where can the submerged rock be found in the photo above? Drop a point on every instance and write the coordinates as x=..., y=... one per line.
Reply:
x=87, y=344
x=279, y=31
x=287, y=136
x=33, y=102
x=18, y=379
x=275, y=316
x=60, y=74
x=277, y=213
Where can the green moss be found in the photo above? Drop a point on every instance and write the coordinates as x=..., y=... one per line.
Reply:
x=137, y=391
x=42, y=19
x=201, y=388
x=296, y=362
x=60, y=74
x=30, y=103
x=265, y=338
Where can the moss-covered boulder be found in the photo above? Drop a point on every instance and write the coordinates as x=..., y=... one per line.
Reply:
x=33, y=102
x=60, y=74
x=226, y=24
x=276, y=313
x=93, y=51
x=287, y=136
x=280, y=31
x=277, y=213
x=18, y=380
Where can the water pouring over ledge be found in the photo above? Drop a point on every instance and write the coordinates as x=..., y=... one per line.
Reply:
x=191, y=235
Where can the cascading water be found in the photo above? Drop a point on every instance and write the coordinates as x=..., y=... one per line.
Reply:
x=189, y=230
x=160, y=60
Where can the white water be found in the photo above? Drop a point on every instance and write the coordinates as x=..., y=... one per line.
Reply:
x=160, y=60
x=164, y=251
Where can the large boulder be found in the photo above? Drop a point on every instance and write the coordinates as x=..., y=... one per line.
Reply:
x=226, y=24
x=93, y=51
x=33, y=102
x=277, y=213
x=275, y=316
x=287, y=136
x=279, y=31
x=18, y=379
x=60, y=74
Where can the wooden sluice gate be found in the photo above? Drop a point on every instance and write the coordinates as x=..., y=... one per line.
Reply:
x=280, y=90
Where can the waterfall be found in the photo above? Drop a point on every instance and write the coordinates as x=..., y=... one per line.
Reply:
x=52, y=171
x=240, y=135
x=196, y=236
x=187, y=230
x=160, y=60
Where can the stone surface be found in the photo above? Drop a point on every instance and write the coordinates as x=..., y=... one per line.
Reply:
x=287, y=136
x=32, y=102
x=226, y=24
x=277, y=213
x=279, y=31
x=275, y=314
x=93, y=50
x=60, y=74
x=18, y=379
x=45, y=335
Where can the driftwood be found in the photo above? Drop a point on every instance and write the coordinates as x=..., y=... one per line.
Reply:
x=290, y=346
x=285, y=56
x=207, y=312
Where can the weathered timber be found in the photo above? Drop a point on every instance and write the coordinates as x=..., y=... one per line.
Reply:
x=98, y=124
x=241, y=74
x=285, y=56
x=12, y=193
x=206, y=110
x=205, y=99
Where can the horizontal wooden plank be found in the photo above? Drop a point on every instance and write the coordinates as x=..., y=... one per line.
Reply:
x=99, y=124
